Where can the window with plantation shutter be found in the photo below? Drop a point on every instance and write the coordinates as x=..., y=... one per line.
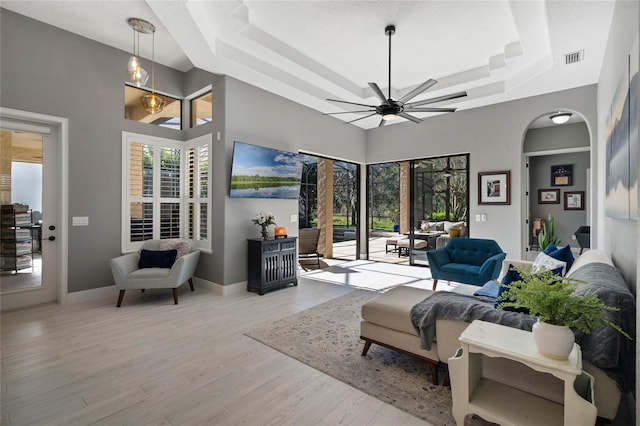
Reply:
x=197, y=224
x=165, y=190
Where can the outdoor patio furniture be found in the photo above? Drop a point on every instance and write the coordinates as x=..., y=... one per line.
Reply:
x=403, y=245
x=308, y=243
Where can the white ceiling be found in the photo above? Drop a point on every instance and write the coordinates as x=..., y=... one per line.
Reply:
x=308, y=51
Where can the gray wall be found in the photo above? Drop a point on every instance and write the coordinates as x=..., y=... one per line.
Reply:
x=35, y=68
x=50, y=71
x=567, y=221
x=566, y=136
x=261, y=118
x=494, y=137
x=617, y=235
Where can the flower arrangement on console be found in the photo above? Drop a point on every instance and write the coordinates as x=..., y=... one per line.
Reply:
x=264, y=220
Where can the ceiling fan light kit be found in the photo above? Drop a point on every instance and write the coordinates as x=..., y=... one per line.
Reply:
x=560, y=117
x=391, y=109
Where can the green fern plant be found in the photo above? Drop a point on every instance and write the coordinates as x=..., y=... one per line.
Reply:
x=548, y=234
x=550, y=297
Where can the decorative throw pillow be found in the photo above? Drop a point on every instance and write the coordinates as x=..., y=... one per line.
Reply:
x=454, y=232
x=490, y=289
x=511, y=276
x=439, y=226
x=547, y=262
x=464, y=230
x=182, y=246
x=562, y=254
x=157, y=258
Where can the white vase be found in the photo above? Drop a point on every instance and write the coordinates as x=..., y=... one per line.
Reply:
x=553, y=341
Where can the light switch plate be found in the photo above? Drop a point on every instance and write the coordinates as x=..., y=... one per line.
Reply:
x=478, y=218
x=484, y=217
x=80, y=221
x=293, y=218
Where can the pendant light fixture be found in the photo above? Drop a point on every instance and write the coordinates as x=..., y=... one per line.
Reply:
x=137, y=74
x=152, y=103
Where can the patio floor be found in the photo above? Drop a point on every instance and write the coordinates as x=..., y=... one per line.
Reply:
x=346, y=251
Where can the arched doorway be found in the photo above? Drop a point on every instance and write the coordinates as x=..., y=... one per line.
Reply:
x=557, y=178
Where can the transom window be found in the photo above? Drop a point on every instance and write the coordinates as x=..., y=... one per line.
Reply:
x=170, y=116
x=202, y=109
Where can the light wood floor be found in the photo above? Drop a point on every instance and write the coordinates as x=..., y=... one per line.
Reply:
x=150, y=362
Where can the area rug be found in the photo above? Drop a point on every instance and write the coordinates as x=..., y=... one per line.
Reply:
x=327, y=338
x=372, y=275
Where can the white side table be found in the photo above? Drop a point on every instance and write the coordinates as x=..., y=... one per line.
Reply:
x=503, y=404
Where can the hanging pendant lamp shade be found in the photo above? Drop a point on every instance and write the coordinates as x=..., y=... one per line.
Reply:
x=152, y=103
x=137, y=75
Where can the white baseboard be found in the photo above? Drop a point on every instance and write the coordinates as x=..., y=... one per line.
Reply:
x=110, y=293
x=221, y=290
x=102, y=293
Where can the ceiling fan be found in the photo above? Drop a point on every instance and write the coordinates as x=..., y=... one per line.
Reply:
x=390, y=109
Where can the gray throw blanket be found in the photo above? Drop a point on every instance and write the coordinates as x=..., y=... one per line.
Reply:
x=605, y=348
x=455, y=306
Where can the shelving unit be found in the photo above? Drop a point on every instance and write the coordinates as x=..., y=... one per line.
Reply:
x=16, y=245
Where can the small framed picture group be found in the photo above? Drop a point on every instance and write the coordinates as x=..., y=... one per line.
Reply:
x=573, y=200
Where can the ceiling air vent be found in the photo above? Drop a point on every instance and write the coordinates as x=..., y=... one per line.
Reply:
x=573, y=57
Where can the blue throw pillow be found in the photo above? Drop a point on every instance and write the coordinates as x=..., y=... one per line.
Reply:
x=550, y=249
x=562, y=254
x=490, y=289
x=157, y=259
x=511, y=276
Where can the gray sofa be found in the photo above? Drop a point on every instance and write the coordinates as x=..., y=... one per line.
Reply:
x=386, y=321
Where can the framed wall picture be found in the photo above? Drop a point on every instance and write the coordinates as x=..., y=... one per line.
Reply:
x=562, y=175
x=548, y=196
x=574, y=200
x=493, y=188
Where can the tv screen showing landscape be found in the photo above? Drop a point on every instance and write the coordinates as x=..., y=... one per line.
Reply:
x=260, y=172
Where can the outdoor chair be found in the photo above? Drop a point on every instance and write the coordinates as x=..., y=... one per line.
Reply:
x=308, y=243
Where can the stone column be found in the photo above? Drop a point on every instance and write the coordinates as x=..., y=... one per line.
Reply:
x=405, y=203
x=325, y=207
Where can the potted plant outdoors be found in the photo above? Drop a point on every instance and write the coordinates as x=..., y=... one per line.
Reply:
x=547, y=234
x=550, y=298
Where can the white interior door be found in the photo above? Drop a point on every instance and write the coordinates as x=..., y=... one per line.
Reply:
x=41, y=282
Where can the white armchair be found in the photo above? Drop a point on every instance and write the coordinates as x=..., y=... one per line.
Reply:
x=128, y=276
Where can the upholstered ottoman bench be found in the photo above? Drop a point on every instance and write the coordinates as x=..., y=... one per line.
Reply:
x=386, y=321
x=403, y=245
x=392, y=242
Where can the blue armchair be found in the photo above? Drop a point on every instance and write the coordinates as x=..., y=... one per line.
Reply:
x=466, y=260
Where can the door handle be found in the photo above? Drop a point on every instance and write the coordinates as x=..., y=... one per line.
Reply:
x=52, y=238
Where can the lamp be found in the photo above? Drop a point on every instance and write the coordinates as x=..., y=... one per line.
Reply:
x=280, y=232
x=152, y=103
x=137, y=74
x=560, y=117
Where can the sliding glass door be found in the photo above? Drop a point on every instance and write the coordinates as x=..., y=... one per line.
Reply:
x=439, y=193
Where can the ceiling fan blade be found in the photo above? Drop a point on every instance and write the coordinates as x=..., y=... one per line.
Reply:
x=378, y=92
x=351, y=103
x=415, y=92
x=430, y=109
x=410, y=117
x=348, y=112
x=438, y=99
x=382, y=123
x=361, y=118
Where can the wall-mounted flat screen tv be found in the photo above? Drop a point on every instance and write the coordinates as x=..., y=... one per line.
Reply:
x=260, y=172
